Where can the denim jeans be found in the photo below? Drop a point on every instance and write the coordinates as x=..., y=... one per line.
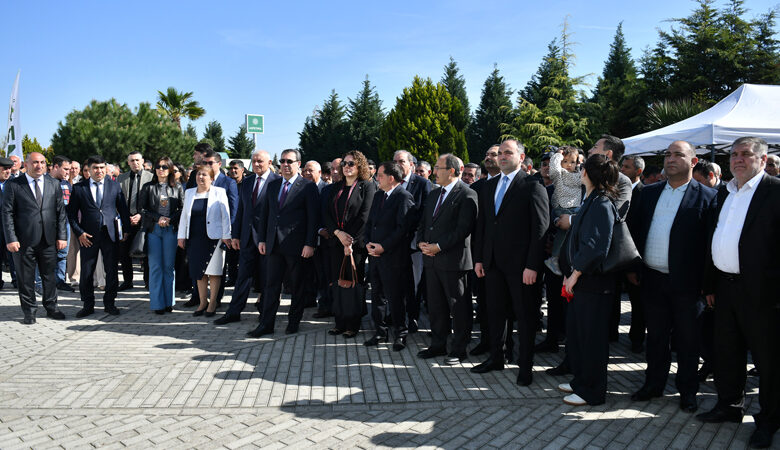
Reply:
x=62, y=260
x=161, y=248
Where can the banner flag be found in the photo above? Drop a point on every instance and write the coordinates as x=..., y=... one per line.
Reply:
x=14, y=136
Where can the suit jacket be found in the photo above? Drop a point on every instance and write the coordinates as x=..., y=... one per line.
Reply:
x=231, y=189
x=688, y=235
x=247, y=214
x=24, y=222
x=149, y=204
x=124, y=180
x=114, y=205
x=623, y=201
x=289, y=228
x=450, y=229
x=758, y=247
x=388, y=225
x=419, y=187
x=514, y=238
x=217, y=215
x=356, y=215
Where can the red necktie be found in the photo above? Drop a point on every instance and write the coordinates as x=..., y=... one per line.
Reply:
x=256, y=191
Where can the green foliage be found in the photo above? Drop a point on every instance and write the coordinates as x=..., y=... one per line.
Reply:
x=32, y=145
x=241, y=144
x=208, y=141
x=191, y=132
x=456, y=86
x=423, y=122
x=663, y=113
x=177, y=104
x=213, y=132
x=113, y=130
x=324, y=136
x=494, y=109
x=365, y=119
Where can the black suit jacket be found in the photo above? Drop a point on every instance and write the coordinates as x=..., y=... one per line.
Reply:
x=356, y=214
x=758, y=247
x=114, y=205
x=290, y=228
x=688, y=236
x=149, y=204
x=388, y=225
x=419, y=187
x=514, y=238
x=450, y=229
x=24, y=222
x=247, y=215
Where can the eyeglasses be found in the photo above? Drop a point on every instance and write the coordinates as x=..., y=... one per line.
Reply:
x=348, y=163
x=770, y=164
x=161, y=167
x=211, y=163
x=287, y=161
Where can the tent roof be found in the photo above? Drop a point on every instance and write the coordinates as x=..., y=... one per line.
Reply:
x=751, y=110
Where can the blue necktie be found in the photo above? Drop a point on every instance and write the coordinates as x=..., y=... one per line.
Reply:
x=501, y=192
x=98, y=195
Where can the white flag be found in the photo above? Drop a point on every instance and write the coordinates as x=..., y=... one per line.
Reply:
x=14, y=137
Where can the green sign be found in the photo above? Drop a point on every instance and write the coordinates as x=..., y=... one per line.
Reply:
x=254, y=123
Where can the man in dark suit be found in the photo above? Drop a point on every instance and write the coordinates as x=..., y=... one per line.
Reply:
x=387, y=235
x=509, y=253
x=669, y=224
x=251, y=262
x=34, y=227
x=419, y=187
x=286, y=233
x=98, y=215
x=741, y=284
x=5, y=255
x=444, y=236
x=131, y=182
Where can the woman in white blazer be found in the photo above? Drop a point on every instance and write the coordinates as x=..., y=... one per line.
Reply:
x=205, y=220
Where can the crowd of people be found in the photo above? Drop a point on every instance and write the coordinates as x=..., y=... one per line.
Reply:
x=500, y=232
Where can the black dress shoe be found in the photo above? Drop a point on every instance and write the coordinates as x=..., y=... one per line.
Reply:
x=525, y=380
x=126, y=286
x=546, y=347
x=112, y=310
x=705, y=372
x=198, y=312
x=224, y=320
x=374, y=341
x=487, y=366
x=637, y=347
x=413, y=327
x=159, y=312
x=688, y=403
x=210, y=313
x=191, y=302
x=55, y=315
x=335, y=331
x=85, y=311
x=291, y=329
x=169, y=309
x=753, y=372
x=14, y=284
x=719, y=415
x=761, y=438
x=65, y=287
x=561, y=369
x=453, y=360
x=644, y=395
x=480, y=349
x=322, y=314
x=28, y=320
x=399, y=344
x=431, y=353
x=260, y=331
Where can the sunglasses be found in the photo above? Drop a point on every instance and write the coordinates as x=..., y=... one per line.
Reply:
x=287, y=161
x=348, y=163
x=161, y=167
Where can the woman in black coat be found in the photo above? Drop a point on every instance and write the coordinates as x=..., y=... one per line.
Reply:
x=345, y=213
x=587, y=323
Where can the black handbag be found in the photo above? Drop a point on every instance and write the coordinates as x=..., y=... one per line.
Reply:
x=349, y=296
x=622, y=252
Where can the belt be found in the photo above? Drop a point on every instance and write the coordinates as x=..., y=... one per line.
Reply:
x=732, y=277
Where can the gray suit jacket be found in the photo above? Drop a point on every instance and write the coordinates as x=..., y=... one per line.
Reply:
x=24, y=222
x=124, y=181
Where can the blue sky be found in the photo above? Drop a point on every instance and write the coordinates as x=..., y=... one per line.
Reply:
x=282, y=59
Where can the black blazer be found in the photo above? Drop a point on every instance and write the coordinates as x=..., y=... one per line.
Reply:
x=114, y=205
x=588, y=244
x=514, y=238
x=758, y=247
x=450, y=229
x=24, y=222
x=149, y=204
x=247, y=215
x=293, y=226
x=419, y=187
x=688, y=236
x=356, y=214
x=388, y=225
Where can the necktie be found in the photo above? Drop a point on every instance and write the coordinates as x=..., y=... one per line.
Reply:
x=501, y=192
x=438, y=205
x=284, y=193
x=382, y=203
x=98, y=194
x=131, y=192
x=38, y=193
x=256, y=191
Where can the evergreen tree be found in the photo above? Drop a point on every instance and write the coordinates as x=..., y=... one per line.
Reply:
x=241, y=144
x=213, y=132
x=455, y=84
x=324, y=136
x=423, y=122
x=365, y=119
x=191, y=132
x=494, y=109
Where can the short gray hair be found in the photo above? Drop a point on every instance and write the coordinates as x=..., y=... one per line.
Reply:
x=757, y=145
x=408, y=154
x=639, y=162
x=451, y=162
x=478, y=173
x=292, y=150
x=425, y=164
x=520, y=146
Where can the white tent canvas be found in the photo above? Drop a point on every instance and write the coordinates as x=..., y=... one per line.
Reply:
x=751, y=110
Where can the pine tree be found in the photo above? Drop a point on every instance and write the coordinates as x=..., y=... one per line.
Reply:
x=494, y=109
x=455, y=84
x=423, y=122
x=365, y=119
x=241, y=144
x=324, y=136
x=213, y=132
x=191, y=132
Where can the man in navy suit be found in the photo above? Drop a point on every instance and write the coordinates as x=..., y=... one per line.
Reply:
x=251, y=262
x=98, y=213
x=286, y=233
x=670, y=231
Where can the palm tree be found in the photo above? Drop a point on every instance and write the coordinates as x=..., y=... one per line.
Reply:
x=175, y=104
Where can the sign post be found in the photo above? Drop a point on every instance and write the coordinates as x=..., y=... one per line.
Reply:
x=255, y=124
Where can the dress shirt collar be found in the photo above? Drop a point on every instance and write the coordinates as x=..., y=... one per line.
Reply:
x=489, y=176
x=292, y=180
x=751, y=184
x=510, y=175
x=30, y=179
x=92, y=181
x=682, y=188
x=450, y=186
x=387, y=194
x=406, y=179
x=633, y=185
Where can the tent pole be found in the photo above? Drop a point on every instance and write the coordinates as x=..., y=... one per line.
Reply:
x=711, y=147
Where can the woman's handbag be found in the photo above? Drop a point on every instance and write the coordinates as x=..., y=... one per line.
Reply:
x=138, y=247
x=349, y=296
x=622, y=252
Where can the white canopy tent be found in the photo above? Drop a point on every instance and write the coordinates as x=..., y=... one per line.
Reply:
x=751, y=110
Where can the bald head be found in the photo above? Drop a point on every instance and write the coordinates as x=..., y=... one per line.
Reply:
x=312, y=171
x=35, y=164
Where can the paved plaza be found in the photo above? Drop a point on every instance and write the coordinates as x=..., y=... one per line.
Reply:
x=142, y=380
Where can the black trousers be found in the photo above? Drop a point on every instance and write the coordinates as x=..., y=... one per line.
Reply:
x=126, y=260
x=335, y=258
x=387, y=299
x=614, y=315
x=102, y=243
x=279, y=267
x=449, y=308
x=587, y=343
x=556, y=306
x=232, y=259
x=741, y=326
x=44, y=257
x=507, y=294
x=248, y=264
x=707, y=337
x=671, y=316
x=410, y=297
x=638, y=323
